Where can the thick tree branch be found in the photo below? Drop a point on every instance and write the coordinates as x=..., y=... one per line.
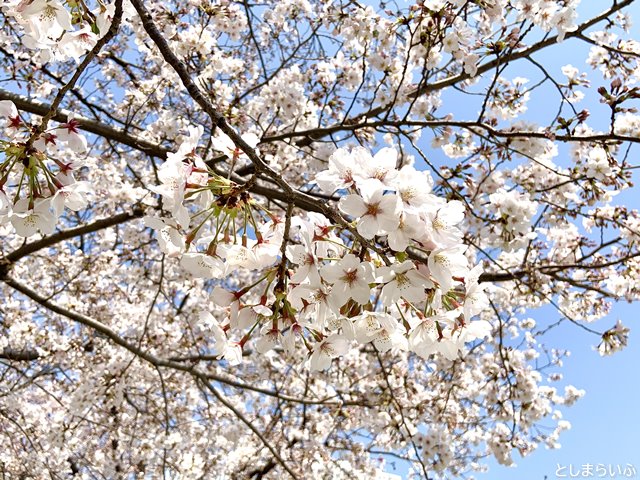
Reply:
x=472, y=126
x=87, y=124
x=19, y=355
x=58, y=237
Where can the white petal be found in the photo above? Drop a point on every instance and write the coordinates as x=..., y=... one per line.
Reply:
x=353, y=205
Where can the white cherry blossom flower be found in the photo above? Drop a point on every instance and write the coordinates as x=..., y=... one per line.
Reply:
x=8, y=109
x=350, y=279
x=471, y=331
x=445, y=263
x=5, y=204
x=432, y=335
x=377, y=213
x=10, y=121
x=290, y=338
x=475, y=300
x=219, y=337
x=249, y=316
x=408, y=228
x=237, y=256
x=384, y=340
x=316, y=232
x=329, y=348
x=424, y=336
x=380, y=328
x=414, y=189
x=29, y=220
x=188, y=145
x=224, y=144
x=378, y=171
x=233, y=353
x=269, y=339
x=77, y=43
x=441, y=225
x=402, y=280
x=202, y=266
x=614, y=339
x=72, y=196
x=340, y=174
x=315, y=301
x=265, y=252
x=470, y=62
x=181, y=167
x=598, y=165
x=46, y=19
x=223, y=297
x=170, y=240
x=228, y=300
x=303, y=256
x=70, y=133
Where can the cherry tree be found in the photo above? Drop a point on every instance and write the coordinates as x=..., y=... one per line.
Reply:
x=305, y=238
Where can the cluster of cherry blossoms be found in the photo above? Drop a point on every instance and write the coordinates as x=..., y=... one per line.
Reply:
x=49, y=26
x=37, y=172
x=316, y=286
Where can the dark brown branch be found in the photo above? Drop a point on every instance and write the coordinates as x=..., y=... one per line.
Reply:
x=26, y=355
x=58, y=237
x=86, y=124
x=471, y=126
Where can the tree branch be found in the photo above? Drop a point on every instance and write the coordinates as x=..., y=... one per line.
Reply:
x=86, y=124
x=24, y=355
x=58, y=237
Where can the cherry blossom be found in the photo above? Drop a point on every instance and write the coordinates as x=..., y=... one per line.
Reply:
x=442, y=224
x=340, y=173
x=75, y=44
x=414, y=189
x=445, y=263
x=402, y=281
x=378, y=171
x=10, y=119
x=46, y=19
x=329, y=348
x=400, y=238
x=350, y=279
x=377, y=213
x=201, y=265
x=315, y=301
x=170, y=240
x=72, y=196
x=30, y=219
x=381, y=329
